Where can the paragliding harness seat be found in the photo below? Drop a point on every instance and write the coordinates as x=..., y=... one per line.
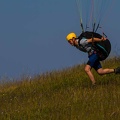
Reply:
x=102, y=48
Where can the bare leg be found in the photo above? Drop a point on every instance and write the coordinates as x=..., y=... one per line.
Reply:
x=89, y=73
x=102, y=71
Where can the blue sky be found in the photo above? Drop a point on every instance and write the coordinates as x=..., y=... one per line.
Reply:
x=33, y=32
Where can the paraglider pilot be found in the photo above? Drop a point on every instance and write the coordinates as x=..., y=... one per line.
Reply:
x=86, y=45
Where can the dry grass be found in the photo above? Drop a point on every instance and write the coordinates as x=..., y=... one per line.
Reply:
x=62, y=95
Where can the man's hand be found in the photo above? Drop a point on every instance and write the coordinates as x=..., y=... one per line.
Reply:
x=103, y=38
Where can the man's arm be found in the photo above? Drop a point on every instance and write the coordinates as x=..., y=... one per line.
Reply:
x=96, y=39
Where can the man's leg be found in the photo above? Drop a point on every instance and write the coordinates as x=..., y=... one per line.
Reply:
x=91, y=62
x=102, y=71
x=89, y=73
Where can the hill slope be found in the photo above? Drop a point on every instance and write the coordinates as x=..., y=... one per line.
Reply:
x=63, y=95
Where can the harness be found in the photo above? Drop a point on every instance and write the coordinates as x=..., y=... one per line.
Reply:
x=86, y=48
x=102, y=48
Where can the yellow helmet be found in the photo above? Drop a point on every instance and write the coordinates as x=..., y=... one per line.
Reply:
x=71, y=36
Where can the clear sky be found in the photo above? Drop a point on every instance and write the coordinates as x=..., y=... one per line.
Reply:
x=33, y=32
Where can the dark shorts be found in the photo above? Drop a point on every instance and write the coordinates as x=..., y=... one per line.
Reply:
x=94, y=61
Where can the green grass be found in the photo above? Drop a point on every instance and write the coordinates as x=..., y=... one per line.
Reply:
x=63, y=95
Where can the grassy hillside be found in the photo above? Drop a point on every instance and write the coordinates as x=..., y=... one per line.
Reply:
x=63, y=95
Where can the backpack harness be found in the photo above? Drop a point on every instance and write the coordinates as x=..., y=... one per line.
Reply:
x=102, y=48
